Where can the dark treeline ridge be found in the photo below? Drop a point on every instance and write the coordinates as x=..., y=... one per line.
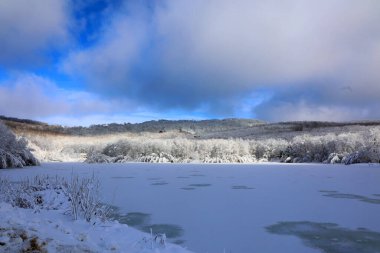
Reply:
x=187, y=126
x=27, y=125
x=302, y=125
x=204, y=129
x=26, y=121
x=191, y=126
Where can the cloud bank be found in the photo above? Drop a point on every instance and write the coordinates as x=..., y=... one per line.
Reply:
x=320, y=56
x=32, y=96
x=288, y=60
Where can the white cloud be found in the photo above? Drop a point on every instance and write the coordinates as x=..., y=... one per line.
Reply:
x=35, y=97
x=27, y=28
x=303, y=110
x=271, y=43
x=27, y=96
x=107, y=118
x=107, y=66
x=210, y=54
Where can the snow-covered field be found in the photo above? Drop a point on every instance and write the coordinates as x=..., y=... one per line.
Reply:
x=241, y=208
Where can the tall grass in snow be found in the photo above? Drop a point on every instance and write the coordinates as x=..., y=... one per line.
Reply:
x=357, y=144
x=78, y=197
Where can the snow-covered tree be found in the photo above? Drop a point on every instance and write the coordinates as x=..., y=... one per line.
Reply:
x=13, y=151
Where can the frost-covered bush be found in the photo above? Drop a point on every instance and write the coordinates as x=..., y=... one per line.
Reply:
x=79, y=197
x=95, y=157
x=40, y=192
x=157, y=158
x=313, y=149
x=373, y=145
x=13, y=151
x=315, y=145
x=334, y=158
x=183, y=149
x=269, y=149
x=175, y=150
x=328, y=148
x=367, y=152
x=356, y=157
x=84, y=197
x=334, y=148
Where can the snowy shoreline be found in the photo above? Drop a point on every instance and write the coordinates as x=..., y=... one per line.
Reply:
x=56, y=232
x=36, y=217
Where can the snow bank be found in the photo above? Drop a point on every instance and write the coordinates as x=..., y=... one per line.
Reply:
x=52, y=231
x=40, y=219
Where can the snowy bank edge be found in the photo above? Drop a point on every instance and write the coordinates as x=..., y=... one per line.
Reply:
x=56, y=232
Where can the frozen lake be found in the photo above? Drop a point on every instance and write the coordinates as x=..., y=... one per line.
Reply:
x=220, y=208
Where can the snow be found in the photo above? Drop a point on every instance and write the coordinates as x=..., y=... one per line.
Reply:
x=64, y=235
x=35, y=215
x=228, y=206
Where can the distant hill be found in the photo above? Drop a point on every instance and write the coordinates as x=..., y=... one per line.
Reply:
x=186, y=126
x=26, y=121
x=27, y=125
x=203, y=129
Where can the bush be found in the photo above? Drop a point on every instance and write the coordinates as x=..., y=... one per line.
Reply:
x=80, y=197
x=13, y=152
x=328, y=148
x=84, y=197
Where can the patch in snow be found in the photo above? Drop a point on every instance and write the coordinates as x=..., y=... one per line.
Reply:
x=241, y=187
x=199, y=185
x=338, y=195
x=329, y=237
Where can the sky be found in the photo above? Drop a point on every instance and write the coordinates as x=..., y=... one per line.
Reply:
x=83, y=62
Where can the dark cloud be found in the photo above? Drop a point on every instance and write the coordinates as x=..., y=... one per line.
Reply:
x=212, y=54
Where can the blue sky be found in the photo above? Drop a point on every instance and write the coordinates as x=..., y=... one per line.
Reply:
x=81, y=62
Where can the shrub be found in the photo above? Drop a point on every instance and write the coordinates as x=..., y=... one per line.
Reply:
x=328, y=148
x=13, y=151
x=79, y=196
x=84, y=197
